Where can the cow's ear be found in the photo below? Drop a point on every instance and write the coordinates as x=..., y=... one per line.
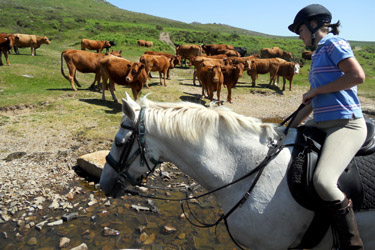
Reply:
x=142, y=66
x=120, y=52
x=128, y=65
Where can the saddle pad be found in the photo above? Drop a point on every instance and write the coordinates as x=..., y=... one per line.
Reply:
x=305, y=195
x=366, y=169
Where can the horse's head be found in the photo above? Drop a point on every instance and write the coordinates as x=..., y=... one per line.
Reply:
x=127, y=161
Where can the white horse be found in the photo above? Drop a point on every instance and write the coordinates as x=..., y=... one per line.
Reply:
x=216, y=146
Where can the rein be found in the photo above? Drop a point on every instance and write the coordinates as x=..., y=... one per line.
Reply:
x=138, y=132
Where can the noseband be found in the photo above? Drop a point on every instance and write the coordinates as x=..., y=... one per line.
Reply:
x=122, y=166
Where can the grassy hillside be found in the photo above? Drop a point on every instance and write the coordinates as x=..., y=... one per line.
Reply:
x=66, y=22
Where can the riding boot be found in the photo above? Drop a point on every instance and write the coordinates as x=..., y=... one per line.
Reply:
x=345, y=224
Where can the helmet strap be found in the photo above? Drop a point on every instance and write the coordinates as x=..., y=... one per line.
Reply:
x=312, y=30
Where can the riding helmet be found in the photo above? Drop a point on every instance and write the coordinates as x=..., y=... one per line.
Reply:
x=316, y=11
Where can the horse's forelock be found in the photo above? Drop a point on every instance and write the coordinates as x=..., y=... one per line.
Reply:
x=192, y=121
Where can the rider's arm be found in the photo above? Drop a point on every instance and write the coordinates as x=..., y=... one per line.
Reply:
x=302, y=115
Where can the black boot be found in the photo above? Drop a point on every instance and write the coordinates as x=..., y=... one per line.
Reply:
x=345, y=224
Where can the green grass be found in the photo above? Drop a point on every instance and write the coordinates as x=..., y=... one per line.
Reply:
x=36, y=80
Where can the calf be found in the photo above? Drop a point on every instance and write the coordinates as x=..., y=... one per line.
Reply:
x=6, y=43
x=84, y=62
x=122, y=72
x=157, y=63
x=287, y=70
x=263, y=66
x=176, y=59
x=231, y=75
x=212, y=60
x=95, y=45
x=32, y=41
x=212, y=79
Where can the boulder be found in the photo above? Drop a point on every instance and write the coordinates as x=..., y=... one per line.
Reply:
x=93, y=163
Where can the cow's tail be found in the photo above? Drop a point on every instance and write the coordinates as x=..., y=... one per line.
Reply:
x=62, y=66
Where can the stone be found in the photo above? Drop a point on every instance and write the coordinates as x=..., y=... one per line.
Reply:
x=55, y=223
x=168, y=229
x=110, y=232
x=70, y=216
x=32, y=241
x=83, y=246
x=64, y=242
x=40, y=225
x=93, y=163
x=181, y=236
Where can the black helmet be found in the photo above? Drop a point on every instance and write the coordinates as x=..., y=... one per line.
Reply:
x=316, y=11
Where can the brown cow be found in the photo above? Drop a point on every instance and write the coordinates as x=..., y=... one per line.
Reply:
x=32, y=41
x=84, y=62
x=95, y=45
x=263, y=66
x=149, y=44
x=275, y=52
x=123, y=72
x=307, y=55
x=212, y=60
x=287, y=70
x=212, y=79
x=231, y=75
x=246, y=61
x=215, y=49
x=187, y=51
x=141, y=43
x=176, y=59
x=157, y=63
x=6, y=43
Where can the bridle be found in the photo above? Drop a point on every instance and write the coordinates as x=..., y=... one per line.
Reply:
x=122, y=166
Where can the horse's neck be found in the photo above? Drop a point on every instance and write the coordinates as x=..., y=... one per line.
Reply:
x=214, y=161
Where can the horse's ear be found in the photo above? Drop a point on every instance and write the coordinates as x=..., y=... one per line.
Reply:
x=128, y=110
x=129, y=106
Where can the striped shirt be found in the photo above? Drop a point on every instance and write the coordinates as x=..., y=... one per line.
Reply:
x=342, y=104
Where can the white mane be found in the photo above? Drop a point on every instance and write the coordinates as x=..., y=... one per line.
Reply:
x=192, y=121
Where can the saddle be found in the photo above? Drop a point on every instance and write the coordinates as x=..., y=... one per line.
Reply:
x=356, y=181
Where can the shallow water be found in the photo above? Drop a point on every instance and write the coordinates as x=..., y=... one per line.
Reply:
x=136, y=229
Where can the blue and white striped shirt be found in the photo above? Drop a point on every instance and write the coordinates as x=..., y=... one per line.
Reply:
x=342, y=104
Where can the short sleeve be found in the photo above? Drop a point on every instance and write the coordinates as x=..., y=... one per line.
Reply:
x=339, y=50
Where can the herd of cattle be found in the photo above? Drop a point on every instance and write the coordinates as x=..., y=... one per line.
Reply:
x=215, y=65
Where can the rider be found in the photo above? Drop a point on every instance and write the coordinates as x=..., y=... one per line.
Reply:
x=334, y=76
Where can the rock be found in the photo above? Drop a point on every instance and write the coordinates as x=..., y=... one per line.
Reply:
x=110, y=232
x=167, y=229
x=140, y=208
x=147, y=239
x=14, y=156
x=5, y=217
x=93, y=163
x=55, y=223
x=70, y=216
x=181, y=236
x=64, y=242
x=32, y=241
x=40, y=225
x=55, y=204
x=150, y=239
x=83, y=246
